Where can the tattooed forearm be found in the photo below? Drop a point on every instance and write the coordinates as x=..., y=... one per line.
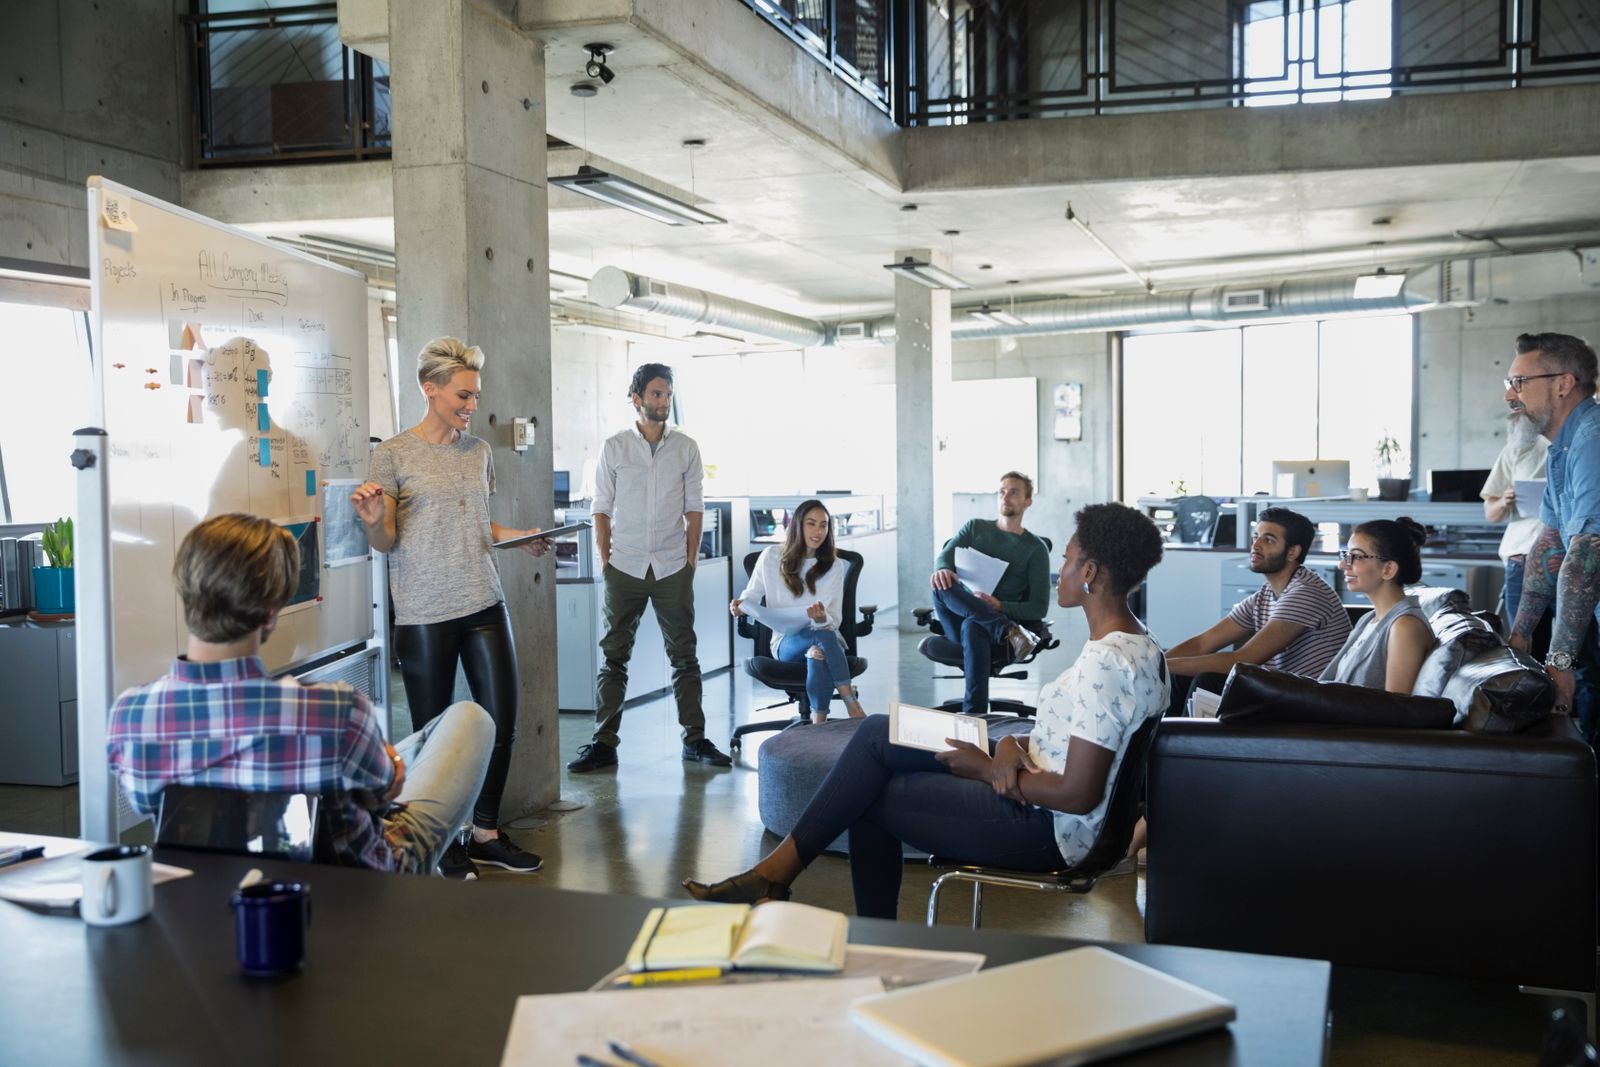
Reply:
x=1538, y=581
x=1577, y=592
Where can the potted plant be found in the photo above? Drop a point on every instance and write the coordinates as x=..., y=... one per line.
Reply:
x=52, y=584
x=1394, y=473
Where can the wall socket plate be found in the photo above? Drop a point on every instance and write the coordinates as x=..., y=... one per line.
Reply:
x=521, y=433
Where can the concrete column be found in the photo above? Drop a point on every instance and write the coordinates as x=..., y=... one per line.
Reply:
x=472, y=243
x=921, y=383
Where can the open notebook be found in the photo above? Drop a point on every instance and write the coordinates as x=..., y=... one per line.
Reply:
x=778, y=935
x=1073, y=1007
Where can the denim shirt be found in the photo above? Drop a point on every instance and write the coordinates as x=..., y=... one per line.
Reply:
x=1571, y=501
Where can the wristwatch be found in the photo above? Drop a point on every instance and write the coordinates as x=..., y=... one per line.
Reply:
x=1561, y=661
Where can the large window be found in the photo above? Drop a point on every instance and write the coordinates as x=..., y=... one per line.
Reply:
x=45, y=363
x=1208, y=411
x=1313, y=51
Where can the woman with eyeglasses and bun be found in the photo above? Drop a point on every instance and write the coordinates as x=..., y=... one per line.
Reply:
x=1387, y=647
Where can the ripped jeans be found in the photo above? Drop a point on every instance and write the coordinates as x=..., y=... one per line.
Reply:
x=823, y=676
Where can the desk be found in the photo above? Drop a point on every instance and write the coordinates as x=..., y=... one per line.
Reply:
x=406, y=970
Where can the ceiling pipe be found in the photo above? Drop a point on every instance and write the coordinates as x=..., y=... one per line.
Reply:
x=613, y=287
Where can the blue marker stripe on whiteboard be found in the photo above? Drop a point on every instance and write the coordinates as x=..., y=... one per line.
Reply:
x=263, y=417
x=261, y=384
x=311, y=483
x=266, y=452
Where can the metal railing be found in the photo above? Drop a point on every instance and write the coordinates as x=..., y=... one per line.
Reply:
x=274, y=84
x=994, y=60
x=856, y=38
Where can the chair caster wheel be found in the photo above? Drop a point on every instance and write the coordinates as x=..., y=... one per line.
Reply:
x=734, y=744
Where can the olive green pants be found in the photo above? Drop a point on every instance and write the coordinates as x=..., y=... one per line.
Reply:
x=625, y=600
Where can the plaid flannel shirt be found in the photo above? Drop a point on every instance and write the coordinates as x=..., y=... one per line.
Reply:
x=231, y=725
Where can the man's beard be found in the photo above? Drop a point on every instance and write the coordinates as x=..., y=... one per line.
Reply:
x=1271, y=564
x=1520, y=430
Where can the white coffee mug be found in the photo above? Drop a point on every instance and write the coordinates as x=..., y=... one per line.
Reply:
x=118, y=885
x=1357, y=493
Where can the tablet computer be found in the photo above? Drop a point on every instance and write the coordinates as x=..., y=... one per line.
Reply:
x=543, y=535
x=927, y=729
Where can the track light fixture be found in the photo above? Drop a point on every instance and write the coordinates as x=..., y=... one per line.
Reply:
x=596, y=67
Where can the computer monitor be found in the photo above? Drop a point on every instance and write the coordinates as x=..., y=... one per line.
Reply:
x=563, y=486
x=1462, y=485
x=1310, y=477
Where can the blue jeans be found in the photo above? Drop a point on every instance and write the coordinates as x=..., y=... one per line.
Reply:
x=445, y=762
x=885, y=794
x=823, y=676
x=976, y=627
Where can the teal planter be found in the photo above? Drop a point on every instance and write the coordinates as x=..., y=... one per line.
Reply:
x=53, y=591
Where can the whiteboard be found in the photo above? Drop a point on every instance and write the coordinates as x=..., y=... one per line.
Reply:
x=230, y=375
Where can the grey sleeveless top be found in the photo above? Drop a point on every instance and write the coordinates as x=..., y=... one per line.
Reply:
x=1364, y=659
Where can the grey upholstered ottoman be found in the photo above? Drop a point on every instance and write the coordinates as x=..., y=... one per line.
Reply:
x=794, y=762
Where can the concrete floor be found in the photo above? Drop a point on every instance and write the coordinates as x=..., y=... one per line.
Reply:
x=642, y=828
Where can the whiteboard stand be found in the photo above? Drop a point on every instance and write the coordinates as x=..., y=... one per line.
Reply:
x=97, y=794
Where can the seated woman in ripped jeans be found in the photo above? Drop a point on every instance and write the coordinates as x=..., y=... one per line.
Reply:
x=805, y=572
x=1033, y=804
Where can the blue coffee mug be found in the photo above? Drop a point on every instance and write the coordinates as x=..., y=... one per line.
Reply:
x=270, y=920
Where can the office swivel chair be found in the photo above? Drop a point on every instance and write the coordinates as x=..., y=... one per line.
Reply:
x=945, y=650
x=1195, y=520
x=1116, y=834
x=273, y=825
x=791, y=677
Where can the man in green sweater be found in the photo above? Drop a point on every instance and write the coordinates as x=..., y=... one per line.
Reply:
x=977, y=620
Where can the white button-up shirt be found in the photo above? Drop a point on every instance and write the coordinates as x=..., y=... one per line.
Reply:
x=647, y=496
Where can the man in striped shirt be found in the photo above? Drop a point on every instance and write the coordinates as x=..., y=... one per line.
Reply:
x=1293, y=623
x=218, y=719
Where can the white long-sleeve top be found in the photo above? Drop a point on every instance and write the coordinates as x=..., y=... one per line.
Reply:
x=766, y=581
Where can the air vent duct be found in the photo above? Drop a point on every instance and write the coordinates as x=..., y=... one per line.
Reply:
x=613, y=287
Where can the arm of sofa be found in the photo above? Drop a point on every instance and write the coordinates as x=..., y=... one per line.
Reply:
x=1378, y=847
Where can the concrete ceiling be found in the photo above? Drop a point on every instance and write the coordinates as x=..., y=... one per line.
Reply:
x=816, y=205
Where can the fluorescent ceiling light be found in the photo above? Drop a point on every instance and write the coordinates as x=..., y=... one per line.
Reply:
x=996, y=316
x=1379, y=285
x=620, y=192
x=924, y=273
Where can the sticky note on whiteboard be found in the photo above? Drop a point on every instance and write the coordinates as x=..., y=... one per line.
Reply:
x=261, y=384
x=117, y=213
x=266, y=452
x=197, y=409
x=263, y=418
x=311, y=483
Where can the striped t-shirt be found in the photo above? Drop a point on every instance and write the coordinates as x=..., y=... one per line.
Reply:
x=1306, y=601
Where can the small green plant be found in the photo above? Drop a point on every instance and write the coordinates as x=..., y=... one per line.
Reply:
x=1390, y=457
x=58, y=543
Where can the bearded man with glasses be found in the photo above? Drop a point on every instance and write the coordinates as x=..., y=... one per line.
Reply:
x=1552, y=384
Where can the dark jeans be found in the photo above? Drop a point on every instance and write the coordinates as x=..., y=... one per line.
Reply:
x=625, y=601
x=887, y=794
x=481, y=643
x=976, y=627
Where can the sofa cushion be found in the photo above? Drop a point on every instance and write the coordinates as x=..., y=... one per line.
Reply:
x=1501, y=692
x=1462, y=638
x=1261, y=695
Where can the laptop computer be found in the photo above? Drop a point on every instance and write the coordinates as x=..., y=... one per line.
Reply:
x=1069, y=1008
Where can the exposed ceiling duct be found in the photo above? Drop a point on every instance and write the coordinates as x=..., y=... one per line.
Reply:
x=613, y=287
x=1457, y=282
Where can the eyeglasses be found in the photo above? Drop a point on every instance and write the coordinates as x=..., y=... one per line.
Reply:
x=1354, y=557
x=1516, y=382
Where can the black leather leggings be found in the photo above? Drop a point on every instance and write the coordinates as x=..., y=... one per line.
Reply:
x=481, y=642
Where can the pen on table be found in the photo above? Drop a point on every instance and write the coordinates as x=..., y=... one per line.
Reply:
x=620, y=1048
x=19, y=853
x=590, y=1061
x=681, y=974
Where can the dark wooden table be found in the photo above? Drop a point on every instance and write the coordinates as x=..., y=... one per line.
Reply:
x=406, y=970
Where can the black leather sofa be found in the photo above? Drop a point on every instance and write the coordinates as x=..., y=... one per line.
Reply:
x=1301, y=822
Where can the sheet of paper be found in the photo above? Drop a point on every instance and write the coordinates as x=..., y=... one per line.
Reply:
x=778, y=620
x=1203, y=704
x=926, y=728
x=57, y=881
x=775, y=1024
x=1530, y=491
x=978, y=571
